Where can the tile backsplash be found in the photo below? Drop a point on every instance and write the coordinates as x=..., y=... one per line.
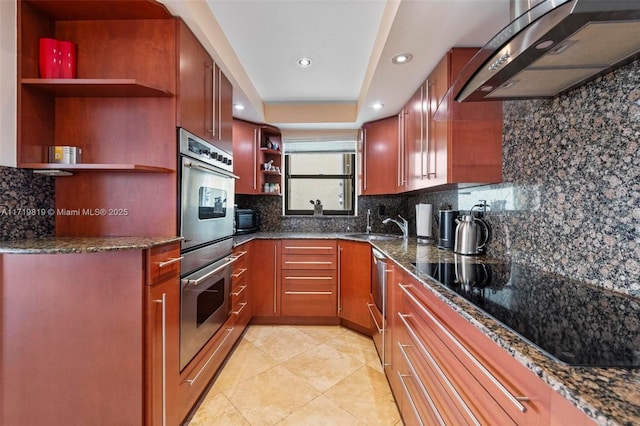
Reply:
x=26, y=204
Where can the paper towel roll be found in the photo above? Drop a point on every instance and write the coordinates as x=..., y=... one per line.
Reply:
x=424, y=218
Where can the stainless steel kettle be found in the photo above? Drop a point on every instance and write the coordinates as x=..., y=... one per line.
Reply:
x=470, y=238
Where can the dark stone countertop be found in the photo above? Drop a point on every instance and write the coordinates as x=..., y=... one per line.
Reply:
x=62, y=245
x=608, y=395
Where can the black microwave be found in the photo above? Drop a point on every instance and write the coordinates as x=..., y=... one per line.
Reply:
x=246, y=221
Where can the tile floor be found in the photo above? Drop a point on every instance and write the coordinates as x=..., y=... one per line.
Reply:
x=300, y=375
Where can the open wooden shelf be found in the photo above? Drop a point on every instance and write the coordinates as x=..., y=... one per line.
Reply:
x=270, y=151
x=95, y=87
x=93, y=167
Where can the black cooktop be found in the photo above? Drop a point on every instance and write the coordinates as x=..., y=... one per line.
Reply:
x=573, y=322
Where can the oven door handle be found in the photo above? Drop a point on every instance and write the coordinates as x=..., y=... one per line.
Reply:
x=206, y=276
x=221, y=172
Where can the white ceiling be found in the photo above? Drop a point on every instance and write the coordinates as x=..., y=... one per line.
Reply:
x=351, y=43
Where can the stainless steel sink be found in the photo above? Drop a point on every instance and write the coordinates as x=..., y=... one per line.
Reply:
x=376, y=237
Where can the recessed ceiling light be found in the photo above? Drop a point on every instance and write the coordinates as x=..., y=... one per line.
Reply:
x=402, y=58
x=239, y=107
x=303, y=62
x=377, y=105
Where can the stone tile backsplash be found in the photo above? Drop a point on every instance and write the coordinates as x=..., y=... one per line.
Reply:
x=26, y=201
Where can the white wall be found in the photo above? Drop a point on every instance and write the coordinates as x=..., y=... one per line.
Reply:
x=8, y=96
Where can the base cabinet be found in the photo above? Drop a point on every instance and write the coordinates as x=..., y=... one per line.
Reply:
x=354, y=281
x=451, y=373
x=91, y=336
x=265, y=278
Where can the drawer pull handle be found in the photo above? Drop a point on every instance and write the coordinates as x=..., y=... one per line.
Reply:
x=436, y=366
x=308, y=262
x=307, y=248
x=307, y=278
x=240, y=272
x=242, y=305
x=424, y=390
x=171, y=261
x=380, y=330
x=239, y=255
x=309, y=292
x=192, y=381
x=514, y=399
x=413, y=404
x=241, y=290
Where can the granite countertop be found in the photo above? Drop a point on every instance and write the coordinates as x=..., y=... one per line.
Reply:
x=62, y=245
x=608, y=395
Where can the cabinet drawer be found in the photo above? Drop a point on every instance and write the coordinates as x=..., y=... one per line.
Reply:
x=309, y=293
x=314, y=247
x=163, y=263
x=308, y=261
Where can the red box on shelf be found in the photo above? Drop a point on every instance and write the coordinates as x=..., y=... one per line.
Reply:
x=57, y=58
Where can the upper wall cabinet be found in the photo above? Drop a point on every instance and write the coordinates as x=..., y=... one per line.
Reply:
x=255, y=145
x=463, y=140
x=205, y=94
x=434, y=142
x=116, y=109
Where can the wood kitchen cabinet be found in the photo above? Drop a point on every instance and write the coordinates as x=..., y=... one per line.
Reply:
x=252, y=148
x=380, y=171
x=464, y=140
x=93, y=337
x=309, y=278
x=205, y=94
x=265, y=276
x=354, y=269
x=451, y=372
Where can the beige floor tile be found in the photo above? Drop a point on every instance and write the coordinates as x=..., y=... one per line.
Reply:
x=270, y=396
x=321, y=333
x=256, y=332
x=358, y=346
x=323, y=366
x=247, y=361
x=217, y=410
x=285, y=343
x=320, y=412
x=366, y=395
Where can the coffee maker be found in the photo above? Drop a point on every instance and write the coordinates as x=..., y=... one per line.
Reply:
x=447, y=227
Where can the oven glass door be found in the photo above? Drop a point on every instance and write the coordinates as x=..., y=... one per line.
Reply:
x=206, y=204
x=205, y=306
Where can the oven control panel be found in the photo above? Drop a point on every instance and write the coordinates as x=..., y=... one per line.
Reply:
x=202, y=150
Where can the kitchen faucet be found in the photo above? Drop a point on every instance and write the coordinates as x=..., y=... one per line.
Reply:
x=404, y=226
x=368, y=221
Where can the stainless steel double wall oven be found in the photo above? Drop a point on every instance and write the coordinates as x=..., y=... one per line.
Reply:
x=206, y=209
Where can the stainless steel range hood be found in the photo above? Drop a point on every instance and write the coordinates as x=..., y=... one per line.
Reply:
x=555, y=46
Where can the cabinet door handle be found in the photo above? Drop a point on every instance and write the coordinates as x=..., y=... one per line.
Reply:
x=380, y=330
x=288, y=277
x=339, y=279
x=364, y=159
x=163, y=302
x=242, y=305
x=240, y=272
x=241, y=290
x=219, y=104
x=317, y=293
x=171, y=261
x=275, y=279
x=213, y=100
x=255, y=158
x=427, y=138
x=424, y=390
x=515, y=400
x=308, y=248
x=192, y=381
x=437, y=367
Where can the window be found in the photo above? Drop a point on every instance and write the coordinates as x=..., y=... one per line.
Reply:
x=324, y=177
